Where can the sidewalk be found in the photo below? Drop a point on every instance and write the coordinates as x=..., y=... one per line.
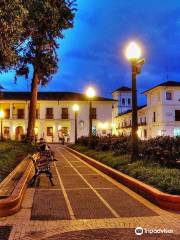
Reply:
x=85, y=204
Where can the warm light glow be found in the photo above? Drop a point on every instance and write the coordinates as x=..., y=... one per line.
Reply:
x=75, y=107
x=133, y=51
x=36, y=130
x=90, y=92
x=14, y=129
x=59, y=127
x=2, y=114
x=103, y=125
x=139, y=133
x=113, y=125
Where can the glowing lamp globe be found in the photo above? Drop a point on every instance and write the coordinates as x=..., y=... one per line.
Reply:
x=75, y=107
x=90, y=92
x=133, y=51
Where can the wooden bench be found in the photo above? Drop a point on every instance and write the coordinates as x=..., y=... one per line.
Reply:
x=42, y=161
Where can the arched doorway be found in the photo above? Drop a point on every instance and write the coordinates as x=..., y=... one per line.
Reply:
x=19, y=133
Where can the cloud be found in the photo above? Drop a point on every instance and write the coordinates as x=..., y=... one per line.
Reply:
x=93, y=51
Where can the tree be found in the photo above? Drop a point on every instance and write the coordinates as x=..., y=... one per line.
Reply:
x=12, y=14
x=44, y=25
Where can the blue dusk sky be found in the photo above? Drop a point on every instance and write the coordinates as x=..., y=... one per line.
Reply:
x=92, y=53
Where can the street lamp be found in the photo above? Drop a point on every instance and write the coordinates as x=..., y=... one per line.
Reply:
x=75, y=109
x=133, y=54
x=90, y=94
x=1, y=118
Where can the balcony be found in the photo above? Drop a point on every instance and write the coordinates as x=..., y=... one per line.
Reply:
x=18, y=116
x=64, y=116
x=7, y=114
x=127, y=126
x=49, y=116
x=142, y=124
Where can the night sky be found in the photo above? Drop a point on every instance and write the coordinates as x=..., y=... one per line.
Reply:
x=92, y=53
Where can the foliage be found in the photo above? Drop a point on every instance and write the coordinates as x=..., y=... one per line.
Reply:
x=160, y=150
x=29, y=33
x=163, y=178
x=44, y=24
x=11, y=154
x=163, y=150
x=12, y=14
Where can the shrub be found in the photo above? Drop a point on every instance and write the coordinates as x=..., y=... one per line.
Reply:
x=160, y=150
x=163, y=178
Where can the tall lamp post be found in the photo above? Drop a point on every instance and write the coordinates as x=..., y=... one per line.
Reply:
x=90, y=94
x=133, y=54
x=75, y=109
x=1, y=119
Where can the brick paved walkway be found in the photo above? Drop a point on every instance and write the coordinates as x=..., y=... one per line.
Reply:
x=85, y=204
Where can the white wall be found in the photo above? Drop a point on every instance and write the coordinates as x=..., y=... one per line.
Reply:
x=165, y=123
x=103, y=110
x=119, y=95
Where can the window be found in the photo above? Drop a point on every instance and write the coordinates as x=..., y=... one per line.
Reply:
x=81, y=123
x=49, y=131
x=123, y=101
x=93, y=113
x=177, y=115
x=64, y=131
x=49, y=113
x=6, y=132
x=7, y=113
x=20, y=113
x=64, y=113
x=145, y=133
x=37, y=113
x=145, y=120
x=154, y=116
x=176, y=132
x=129, y=101
x=168, y=95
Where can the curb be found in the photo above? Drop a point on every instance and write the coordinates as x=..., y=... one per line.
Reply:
x=163, y=200
x=12, y=204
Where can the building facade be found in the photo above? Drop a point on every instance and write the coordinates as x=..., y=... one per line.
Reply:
x=54, y=115
x=161, y=115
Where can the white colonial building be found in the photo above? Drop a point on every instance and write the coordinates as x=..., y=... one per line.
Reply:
x=54, y=115
x=161, y=115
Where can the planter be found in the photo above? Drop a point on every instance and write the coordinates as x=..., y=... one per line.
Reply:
x=12, y=203
x=163, y=200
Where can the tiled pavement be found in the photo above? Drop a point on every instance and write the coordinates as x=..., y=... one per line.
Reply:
x=86, y=204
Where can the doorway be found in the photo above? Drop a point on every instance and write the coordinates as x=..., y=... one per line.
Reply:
x=19, y=133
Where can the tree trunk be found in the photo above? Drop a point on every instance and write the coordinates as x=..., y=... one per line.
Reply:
x=32, y=108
